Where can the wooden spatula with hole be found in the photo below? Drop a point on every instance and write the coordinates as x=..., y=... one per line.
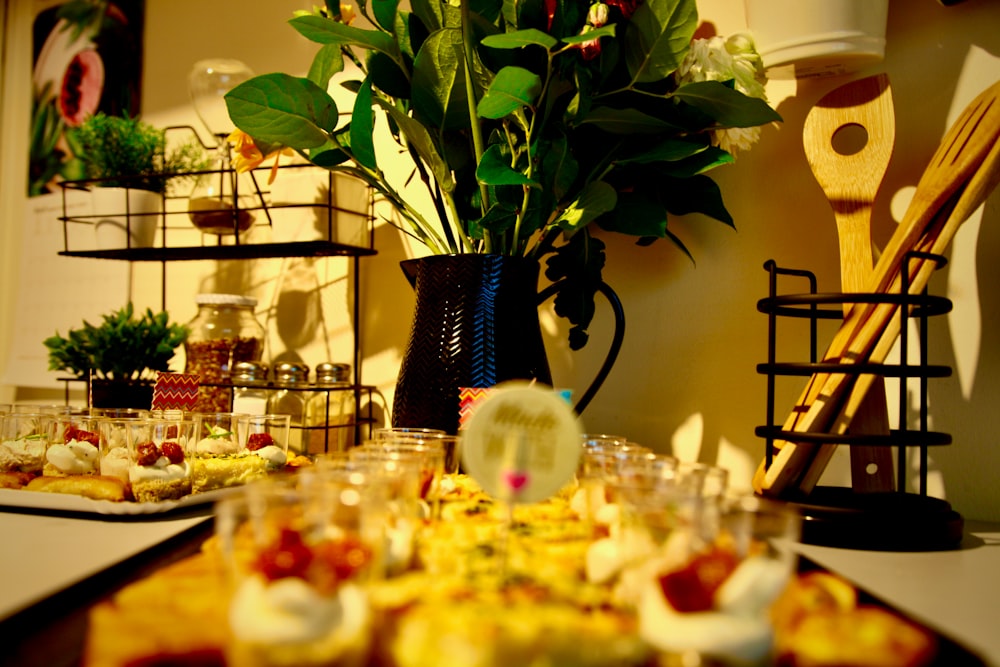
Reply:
x=850, y=170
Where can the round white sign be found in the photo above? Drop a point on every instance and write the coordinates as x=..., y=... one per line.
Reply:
x=522, y=444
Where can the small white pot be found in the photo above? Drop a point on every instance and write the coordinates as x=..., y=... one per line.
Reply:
x=812, y=38
x=126, y=217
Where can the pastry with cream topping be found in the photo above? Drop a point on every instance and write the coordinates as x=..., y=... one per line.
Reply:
x=219, y=460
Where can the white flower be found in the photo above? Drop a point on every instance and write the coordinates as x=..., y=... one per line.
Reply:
x=597, y=15
x=721, y=59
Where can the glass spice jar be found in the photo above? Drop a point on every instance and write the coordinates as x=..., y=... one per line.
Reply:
x=223, y=332
x=292, y=380
x=250, y=393
x=329, y=413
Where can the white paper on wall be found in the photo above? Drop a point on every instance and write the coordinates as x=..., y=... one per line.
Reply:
x=57, y=293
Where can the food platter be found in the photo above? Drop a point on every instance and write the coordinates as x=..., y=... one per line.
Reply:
x=65, y=502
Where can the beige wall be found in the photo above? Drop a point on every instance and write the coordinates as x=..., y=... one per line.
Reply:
x=686, y=380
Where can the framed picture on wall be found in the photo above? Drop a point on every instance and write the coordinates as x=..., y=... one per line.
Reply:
x=87, y=57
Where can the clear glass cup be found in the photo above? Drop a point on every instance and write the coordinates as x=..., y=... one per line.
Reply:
x=709, y=480
x=306, y=552
x=216, y=433
x=450, y=444
x=121, y=413
x=429, y=458
x=751, y=561
x=389, y=432
x=256, y=432
x=73, y=446
x=159, y=465
x=221, y=452
x=602, y=440
x=599, y=464
x=403, y=481
x=115, y=435
x=648, y=516
x=24, y=437
x=44, y=409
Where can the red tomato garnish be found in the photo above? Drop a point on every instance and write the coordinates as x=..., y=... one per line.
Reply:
x=146, y=453
x=172, y=451
x=344, y=557
x=259, y=441
x=692, y=588
x=78, y=434
x=288, y=557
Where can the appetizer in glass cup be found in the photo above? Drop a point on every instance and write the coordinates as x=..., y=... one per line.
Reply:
x=299, y=558
x=24, y=437
x=73, y=446
x=231, y=449
x=159, y=469
x=712, y=598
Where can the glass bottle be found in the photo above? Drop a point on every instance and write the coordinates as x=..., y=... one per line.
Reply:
x=224, y=332
x=330, y=413
x=221, y=201
x=250, y=393
x=290, y=399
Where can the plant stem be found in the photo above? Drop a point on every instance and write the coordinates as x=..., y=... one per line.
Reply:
x=435, y=192
x=474, y=125
x=529, y=142
x=422, y=229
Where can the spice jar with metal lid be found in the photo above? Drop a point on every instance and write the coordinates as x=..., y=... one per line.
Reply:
x=292, y=380
x=224, y=332
x=330, y=413
x=250, y=392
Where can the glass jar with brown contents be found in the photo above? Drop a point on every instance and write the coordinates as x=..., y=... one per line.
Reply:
x=223, y=333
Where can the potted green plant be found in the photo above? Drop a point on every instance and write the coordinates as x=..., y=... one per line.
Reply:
x=132, y=168
x=121, y=356
x=530, y=125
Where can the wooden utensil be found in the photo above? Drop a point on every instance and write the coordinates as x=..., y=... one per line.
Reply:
x=961, y=152
x=851, y=182
x=935, y=241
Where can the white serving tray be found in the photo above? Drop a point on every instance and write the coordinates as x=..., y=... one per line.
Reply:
x=67, y=502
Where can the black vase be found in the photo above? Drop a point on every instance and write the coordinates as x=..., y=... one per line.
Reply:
x=475, y=325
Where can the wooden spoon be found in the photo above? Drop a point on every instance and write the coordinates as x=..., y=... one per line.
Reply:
x=851, y=183
x=961, y=152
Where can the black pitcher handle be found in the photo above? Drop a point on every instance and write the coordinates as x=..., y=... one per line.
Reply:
x=616, y=341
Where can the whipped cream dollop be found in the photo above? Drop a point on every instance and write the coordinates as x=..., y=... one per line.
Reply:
x=163, y=469
x=274, y=455
x=291, y=611
x=76, y=457
x=217, y=446
x=25, y=454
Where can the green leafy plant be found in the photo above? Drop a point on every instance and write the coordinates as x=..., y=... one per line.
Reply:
x=123, y=347
x=527, y=121
x=128, y=152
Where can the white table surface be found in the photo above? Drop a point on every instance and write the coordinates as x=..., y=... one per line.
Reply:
x=41, y=555
x=955, y=592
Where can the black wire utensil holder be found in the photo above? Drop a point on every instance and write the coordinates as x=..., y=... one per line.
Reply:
x=898, y=520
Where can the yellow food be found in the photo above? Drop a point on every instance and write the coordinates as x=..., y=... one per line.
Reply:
x=96, y=487
x=492, y=588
